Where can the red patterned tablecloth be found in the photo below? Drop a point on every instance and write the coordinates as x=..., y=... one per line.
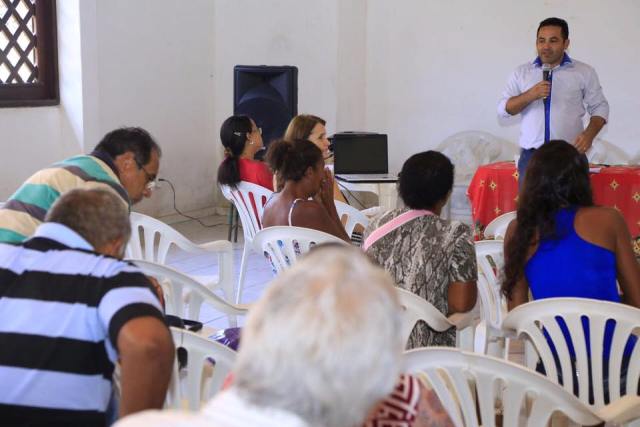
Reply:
x=494, y=191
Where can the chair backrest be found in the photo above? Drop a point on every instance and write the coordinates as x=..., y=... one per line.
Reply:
x=470, y=149
x=249, y=199
x=151, y=239
x=472, y=387
x=282, y=245
x=208, y=364
x=350, y=217
x=534, y=320
x=178, y=288
x=490, y=260
x=498, y=227
x=416, y=308
x=604, y=152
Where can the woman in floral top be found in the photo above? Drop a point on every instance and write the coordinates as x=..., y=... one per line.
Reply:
x=427, y=255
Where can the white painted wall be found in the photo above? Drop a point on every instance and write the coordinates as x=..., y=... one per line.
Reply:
x=155, y=70
x=419, y=70
x=33, y=138
x=435, y=68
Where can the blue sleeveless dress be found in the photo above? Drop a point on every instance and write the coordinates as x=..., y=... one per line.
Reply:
x=569, y=266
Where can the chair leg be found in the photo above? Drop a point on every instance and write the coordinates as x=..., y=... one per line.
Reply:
x=230, y=221
x=243, y=270
x=237, y=225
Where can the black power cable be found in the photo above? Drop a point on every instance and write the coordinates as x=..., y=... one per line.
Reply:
x=342, y=187
x=173, y=190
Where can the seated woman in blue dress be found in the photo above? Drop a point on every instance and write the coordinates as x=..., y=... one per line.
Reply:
x=560, y=244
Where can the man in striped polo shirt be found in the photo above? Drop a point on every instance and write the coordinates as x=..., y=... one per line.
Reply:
x=69, y=309
x=125, y=162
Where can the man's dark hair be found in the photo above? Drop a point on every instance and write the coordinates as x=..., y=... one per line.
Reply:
x=556, y=22
x=129, y=139
x=425, y=179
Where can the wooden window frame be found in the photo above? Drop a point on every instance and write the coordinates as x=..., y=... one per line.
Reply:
x=45, y=91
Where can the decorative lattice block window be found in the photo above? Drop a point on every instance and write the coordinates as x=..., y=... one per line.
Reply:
x=28, y=53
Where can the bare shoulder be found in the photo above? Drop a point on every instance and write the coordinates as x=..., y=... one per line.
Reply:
x=600, y=215
x=600, y=225
x=511, y=229
x=308, y=205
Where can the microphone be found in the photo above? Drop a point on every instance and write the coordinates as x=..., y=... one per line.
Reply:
x=546, y=73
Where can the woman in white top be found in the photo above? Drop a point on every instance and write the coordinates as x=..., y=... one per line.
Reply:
x=306, y=199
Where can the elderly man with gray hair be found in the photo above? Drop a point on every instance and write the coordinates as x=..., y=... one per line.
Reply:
x=69, y=309
x=321, y=348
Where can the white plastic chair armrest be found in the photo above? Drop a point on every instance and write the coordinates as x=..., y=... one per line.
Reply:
x=372, y=211
x=216, y=246
x=466, y=319
x=463, y=320
x=621, y=411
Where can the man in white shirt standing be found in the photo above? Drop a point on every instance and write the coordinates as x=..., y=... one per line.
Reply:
x=553, y=108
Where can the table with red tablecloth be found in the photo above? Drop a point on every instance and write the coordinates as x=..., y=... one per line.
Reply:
x=494, y=191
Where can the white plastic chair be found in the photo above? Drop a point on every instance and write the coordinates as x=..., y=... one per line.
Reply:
x=178, y=287
x=145, y=230
x=604, y=152
x=196, y=383
x=249, y=200
x=528, y=320
x=498, y=227
x=473, y=387
x=472, y=148
x=490, y=260
x=282, y=245
x=416, y=308
x=350, y=217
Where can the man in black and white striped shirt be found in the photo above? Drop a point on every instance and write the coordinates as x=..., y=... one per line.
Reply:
x=69, y=309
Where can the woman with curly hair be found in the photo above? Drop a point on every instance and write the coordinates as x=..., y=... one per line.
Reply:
x=306, y=199
x=560, y=244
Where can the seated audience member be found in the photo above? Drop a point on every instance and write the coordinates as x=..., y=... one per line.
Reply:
x=312, y=128
x=306, y=200
x=320, y=348
x=242, y=139
x=560, y=244
x=125, y=162
x=69, y=309
x=427, y=255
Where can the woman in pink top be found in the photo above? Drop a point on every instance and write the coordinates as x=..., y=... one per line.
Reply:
x=242, y=139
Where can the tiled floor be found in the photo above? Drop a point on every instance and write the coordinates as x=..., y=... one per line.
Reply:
x=258, y=271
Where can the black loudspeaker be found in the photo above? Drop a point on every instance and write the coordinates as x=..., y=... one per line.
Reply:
x=267, y=94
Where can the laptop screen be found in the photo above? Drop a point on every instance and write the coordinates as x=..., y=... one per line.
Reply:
x=359, y=153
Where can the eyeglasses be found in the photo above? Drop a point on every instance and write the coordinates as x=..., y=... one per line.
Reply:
x=257, y=129
x=152, y=181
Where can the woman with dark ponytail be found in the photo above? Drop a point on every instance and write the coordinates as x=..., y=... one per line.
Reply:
x=306, y=199
x=242, y=139
x=560, y=244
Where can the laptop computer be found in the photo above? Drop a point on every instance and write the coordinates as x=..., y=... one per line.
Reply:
x=361, y=157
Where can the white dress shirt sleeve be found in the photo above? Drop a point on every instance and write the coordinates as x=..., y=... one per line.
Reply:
x=594, y=99
x=512, y=89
